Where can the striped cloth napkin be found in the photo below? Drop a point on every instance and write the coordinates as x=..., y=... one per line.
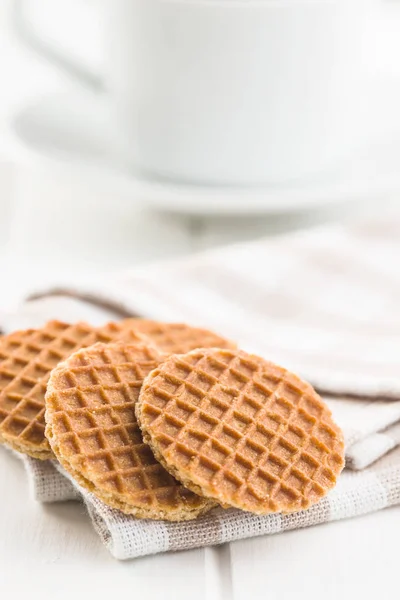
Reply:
x=324, y=303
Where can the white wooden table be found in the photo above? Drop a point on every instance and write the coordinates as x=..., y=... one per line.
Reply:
x=48, y=232
x=52, y=551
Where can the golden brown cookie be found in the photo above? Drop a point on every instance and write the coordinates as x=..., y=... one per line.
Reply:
x=92, y=429
x=176, y=338
x=241, y=431
x=26, y=359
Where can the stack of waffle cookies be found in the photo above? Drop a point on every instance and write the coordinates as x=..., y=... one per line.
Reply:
x=167, y=421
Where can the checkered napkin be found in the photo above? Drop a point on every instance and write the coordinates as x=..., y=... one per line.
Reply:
x=324, y=303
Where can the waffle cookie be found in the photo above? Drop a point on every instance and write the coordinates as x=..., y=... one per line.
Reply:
x=175, y=338
x=240, y=430
x=92, y=429
x=26, y=359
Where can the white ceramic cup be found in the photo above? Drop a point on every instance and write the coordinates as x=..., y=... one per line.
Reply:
x=236, y=92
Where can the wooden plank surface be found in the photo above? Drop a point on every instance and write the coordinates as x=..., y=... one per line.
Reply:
x=46, y=550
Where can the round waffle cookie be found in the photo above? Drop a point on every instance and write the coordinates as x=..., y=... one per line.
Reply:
x=92, y=429
x=26, y=359
x=176, y=338
x=240, y=430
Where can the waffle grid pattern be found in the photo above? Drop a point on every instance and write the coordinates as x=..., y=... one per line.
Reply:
x=242, y=431
x=93, y=430
x=178, y=338
x=26, y=359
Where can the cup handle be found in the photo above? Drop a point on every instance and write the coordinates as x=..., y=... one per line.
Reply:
x=26, y=32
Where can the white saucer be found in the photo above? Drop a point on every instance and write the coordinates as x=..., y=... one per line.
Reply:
x=70, y=130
